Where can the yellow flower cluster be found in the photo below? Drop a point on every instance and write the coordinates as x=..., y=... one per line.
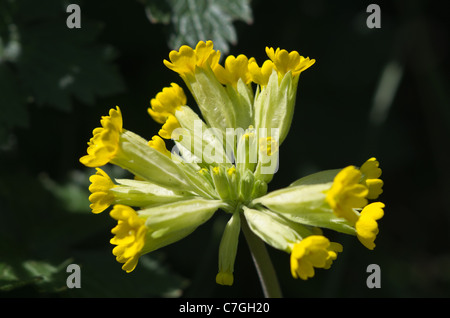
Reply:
x=196, y=66
x=174, y=193
x=187, y=60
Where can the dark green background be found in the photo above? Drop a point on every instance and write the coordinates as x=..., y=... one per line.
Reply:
x=44, y=215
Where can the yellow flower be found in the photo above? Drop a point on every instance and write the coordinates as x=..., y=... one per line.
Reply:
x=101, y=198
x=347, y=194
x=367, y=226
x=167, y=102
x=186, y=60
x=313, y=251
x=170, y=125
x=159, y=144
x=163, y=109
x=285, y=61
x=235, y=68
x=104, y=143
x=260, y=75
x=225, y=161
x=371, y=173
x=129, y=236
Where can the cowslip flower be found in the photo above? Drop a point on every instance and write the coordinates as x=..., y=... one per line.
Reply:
x=223, y=159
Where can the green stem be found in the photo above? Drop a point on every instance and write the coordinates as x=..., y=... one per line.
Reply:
x=263, y=264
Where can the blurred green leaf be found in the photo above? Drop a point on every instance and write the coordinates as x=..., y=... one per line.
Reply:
x=74, y=193
x=58, y=63
x=41, y=235
x=192, y=21
x=45, y=276
x=100, y=276
x=44, y=63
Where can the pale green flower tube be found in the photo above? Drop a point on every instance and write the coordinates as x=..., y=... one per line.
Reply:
x=228, y=249
x=171, y=222
x=305, y=204
x=274, y=229
x=274, y=104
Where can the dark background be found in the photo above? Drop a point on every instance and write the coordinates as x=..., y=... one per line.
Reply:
x=45, y=222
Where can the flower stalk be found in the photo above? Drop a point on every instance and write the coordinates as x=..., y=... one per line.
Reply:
x=266, y=272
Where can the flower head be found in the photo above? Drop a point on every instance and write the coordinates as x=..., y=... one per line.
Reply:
x=224, y=159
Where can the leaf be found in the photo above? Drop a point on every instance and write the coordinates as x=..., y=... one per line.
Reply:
x=100, y=274
x=44, y=63
x=192, y=21
x=45, y=276
x=58, y=64
x=72, y=195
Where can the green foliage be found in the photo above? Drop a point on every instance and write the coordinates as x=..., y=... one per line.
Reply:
x=97, y=278
x=44, y=63
x=46, y=277
x=41, y=236
x=191, y=21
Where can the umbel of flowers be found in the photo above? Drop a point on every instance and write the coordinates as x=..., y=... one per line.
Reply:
x=223, y=160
